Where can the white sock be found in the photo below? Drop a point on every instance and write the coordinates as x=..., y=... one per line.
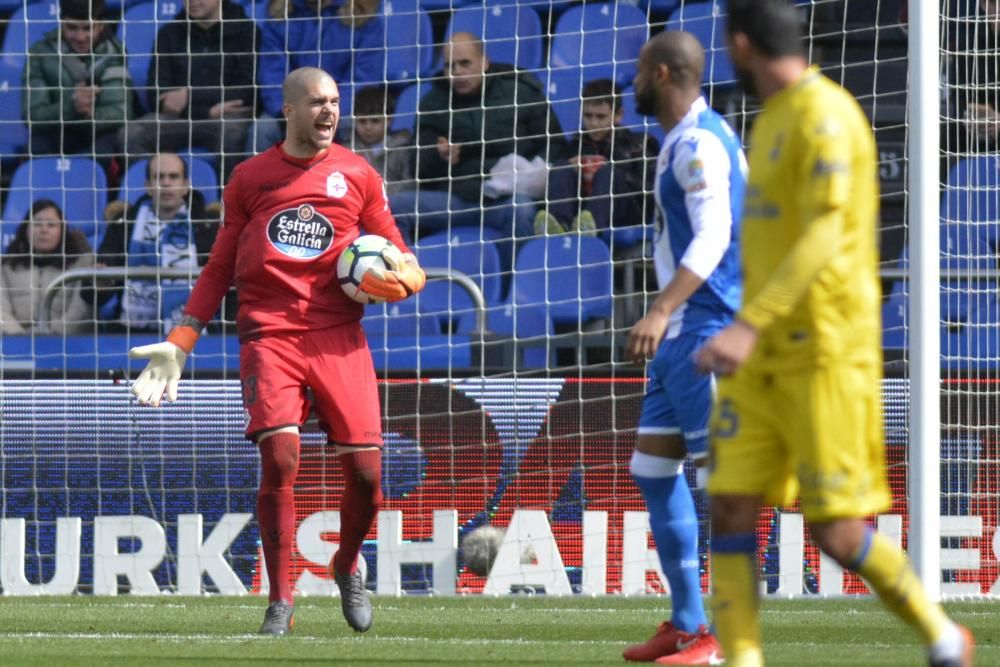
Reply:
x=949, y=645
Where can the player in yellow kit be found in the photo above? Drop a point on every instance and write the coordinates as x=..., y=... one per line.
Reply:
x=799, y=413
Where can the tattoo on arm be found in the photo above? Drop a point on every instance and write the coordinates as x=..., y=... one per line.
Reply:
x=193, y=322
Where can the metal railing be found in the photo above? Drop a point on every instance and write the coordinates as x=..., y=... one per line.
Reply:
x=433, y=273
x=154, y=272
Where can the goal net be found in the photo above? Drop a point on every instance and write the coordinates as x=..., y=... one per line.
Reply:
x=506, y=400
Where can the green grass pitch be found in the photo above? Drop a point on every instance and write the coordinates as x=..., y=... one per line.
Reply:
x=81, y=630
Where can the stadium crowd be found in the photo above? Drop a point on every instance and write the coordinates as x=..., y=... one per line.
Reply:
x=204, y=86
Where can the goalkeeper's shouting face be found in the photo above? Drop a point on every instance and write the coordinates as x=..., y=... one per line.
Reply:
x=312, y=110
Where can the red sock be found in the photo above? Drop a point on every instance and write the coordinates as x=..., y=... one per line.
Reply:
x=361, y=500
x=279, y=462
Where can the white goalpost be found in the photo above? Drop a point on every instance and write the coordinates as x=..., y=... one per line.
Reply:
x=925, y=352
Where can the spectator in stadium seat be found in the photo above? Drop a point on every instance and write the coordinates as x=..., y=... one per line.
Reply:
x=476, y=113
x=391, y=154
x=973, y=75
x=203, y=72
x=43, y=248
x=77, y=91
x=607, y=163
x=346, y=38
x=168, y=227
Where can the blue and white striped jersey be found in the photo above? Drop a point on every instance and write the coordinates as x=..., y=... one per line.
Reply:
x=701, y=177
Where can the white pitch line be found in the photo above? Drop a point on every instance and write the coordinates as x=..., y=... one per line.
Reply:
x=152, y=636
x=331, y=641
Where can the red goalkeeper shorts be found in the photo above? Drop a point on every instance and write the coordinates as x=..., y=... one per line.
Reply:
x=335, y=364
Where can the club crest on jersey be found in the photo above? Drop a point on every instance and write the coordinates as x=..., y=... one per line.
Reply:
x=302, y=233
x=336, y=185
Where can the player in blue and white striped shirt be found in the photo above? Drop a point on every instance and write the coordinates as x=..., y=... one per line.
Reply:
x=700, y=180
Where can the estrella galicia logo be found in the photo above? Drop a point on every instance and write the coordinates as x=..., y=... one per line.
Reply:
x=302, y=233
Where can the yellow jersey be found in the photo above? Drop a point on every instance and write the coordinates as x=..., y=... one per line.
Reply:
x=810, y=251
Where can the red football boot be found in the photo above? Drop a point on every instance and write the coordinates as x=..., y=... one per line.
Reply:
x=663, y=642
x=699, y=648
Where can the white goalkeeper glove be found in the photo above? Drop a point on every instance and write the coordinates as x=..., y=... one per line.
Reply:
x=162, y=373
x=166, y=361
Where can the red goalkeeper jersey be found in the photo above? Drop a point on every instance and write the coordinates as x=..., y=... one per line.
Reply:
x=285, y=222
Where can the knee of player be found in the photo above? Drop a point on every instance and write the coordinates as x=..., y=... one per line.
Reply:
x=841, y=540
x=733, y=514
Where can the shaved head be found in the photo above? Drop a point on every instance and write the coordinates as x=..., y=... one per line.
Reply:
x=668, y=76
x=299, y=81
x=681, y=52
x=312, y=109
x=464, y=39
x=465, y=63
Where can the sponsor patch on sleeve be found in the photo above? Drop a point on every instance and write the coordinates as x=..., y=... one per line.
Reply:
x=695, y=180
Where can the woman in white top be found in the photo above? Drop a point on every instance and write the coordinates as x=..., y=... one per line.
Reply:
x=44, y=247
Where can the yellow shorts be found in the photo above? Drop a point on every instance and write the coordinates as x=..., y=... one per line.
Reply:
x=816, y=434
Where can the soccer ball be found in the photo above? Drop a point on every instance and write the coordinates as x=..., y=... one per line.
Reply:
x=480, y=548
x=364, y=253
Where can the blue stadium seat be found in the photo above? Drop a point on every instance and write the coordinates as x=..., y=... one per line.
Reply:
x=77, y=184
x=401, y=338
x=13, y=129
x=972, y=343
x=405, y=115
x=409, y=39
x=964, y=246
x=424, y=353
x=977, y=344
x=138, y=34
x=448, y=303
x=569, y=274
x=27, y=25
x=468, y=250
x=563, y=87
x=707, y=22
x=604, y=38
x=513, y=34
x=530, y=328
x=201, y=173
x=398, y=319
x=89, y=352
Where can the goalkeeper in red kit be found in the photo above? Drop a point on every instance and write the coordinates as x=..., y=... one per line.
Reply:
x=289, y=212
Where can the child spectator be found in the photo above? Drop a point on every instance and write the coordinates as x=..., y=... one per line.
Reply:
x=607, y=164
x=43, y=248
x=392, y=154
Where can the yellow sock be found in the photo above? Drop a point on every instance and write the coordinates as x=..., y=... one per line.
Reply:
x=735, y=599
x=887, y=571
